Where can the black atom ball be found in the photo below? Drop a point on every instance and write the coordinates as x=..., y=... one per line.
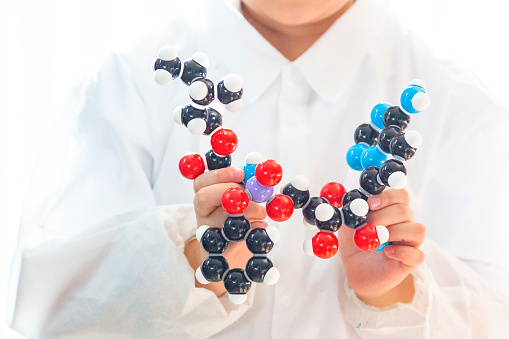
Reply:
x=385, y=137
x=351, y=220
x=197, y=96
x=192, y=71
x=333, y=224
x=214, y=120
x=368, y=181
x=215, y=161
x=257, y=267
x=365, y=133
x=172, y=66
x=236, y=228
x=299, y=198
x=190, y=112
x=352, y=195
x=236, y=282
x=394, y=116
x=226, y=96
x=401, y=149
x=213, y=241
x=214, y=267
x=390, y=167
x=309, y=211
x=258, y=241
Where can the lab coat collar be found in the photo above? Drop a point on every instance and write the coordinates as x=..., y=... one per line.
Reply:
x=328, y=65
x=333, y=60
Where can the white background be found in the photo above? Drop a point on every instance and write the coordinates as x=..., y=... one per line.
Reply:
x=47, y=46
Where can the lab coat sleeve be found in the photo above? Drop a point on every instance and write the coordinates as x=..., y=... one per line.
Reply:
x=451, y=301
x=127, y=276
x=96, y=256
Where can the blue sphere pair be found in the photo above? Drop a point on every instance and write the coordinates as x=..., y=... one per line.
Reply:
x=361, y=156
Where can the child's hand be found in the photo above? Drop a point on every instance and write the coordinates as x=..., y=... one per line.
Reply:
x=209, y=188
x=383, y=278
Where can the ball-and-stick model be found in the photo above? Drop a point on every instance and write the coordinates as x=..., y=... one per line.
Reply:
x=382, y=146
x=260, y=176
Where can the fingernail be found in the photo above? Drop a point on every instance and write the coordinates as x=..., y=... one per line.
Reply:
x=374, y=202
x=389, y=250
x=237, y=174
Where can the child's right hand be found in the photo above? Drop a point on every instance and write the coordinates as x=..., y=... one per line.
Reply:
x=209, y=188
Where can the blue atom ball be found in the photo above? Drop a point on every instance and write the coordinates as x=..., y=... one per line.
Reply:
x=353, y=156
x=249, y=171
x=407, y=96
x=372, y=157
x=377, y=114
x=382, y=246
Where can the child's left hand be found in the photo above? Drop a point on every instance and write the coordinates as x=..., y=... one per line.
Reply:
x=383, y=278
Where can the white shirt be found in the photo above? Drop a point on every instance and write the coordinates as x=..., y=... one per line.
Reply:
x=101, y=242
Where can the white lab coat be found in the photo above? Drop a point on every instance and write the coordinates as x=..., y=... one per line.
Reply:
x=100, y=252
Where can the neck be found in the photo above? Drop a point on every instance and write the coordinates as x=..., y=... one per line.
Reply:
x=290, y=39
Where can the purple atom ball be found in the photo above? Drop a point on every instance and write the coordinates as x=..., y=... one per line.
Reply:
x=258, y=192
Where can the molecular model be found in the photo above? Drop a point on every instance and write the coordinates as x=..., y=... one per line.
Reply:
x=380, y=151
x=260, y=177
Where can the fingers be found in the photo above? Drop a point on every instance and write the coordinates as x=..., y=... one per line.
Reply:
x=390, y=215
x=223, y=175
x=407, y=255
x=208, y=198
x=411, y=234
x=255, y=212
x=388, y=198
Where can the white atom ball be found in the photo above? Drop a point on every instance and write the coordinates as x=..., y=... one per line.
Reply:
x=201, y=58
x=272, y=276
x=198, y=90
x=420, y=101
x=383, y=234
x=235, y=106
x=199, y=276
x=413, y=138
x=397, y=180
x=167, y=53
x=177, y=115
x=300, y=182
x=308, y=247
x=254, y=158
x=237, y=299
x=273, y=233
x=324, y=212
x=200, y=231
x=162, y=77
x=233, y=83
x=197, y=126
x=359, y=207
x=417, y=82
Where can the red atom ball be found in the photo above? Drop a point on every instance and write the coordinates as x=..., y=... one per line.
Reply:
x=280, y=208
x=268, y=173
x=224, y=142
x=235, y=200
x=366, y=238
x=191, y=165
x=325, y=245
x=333, y=192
